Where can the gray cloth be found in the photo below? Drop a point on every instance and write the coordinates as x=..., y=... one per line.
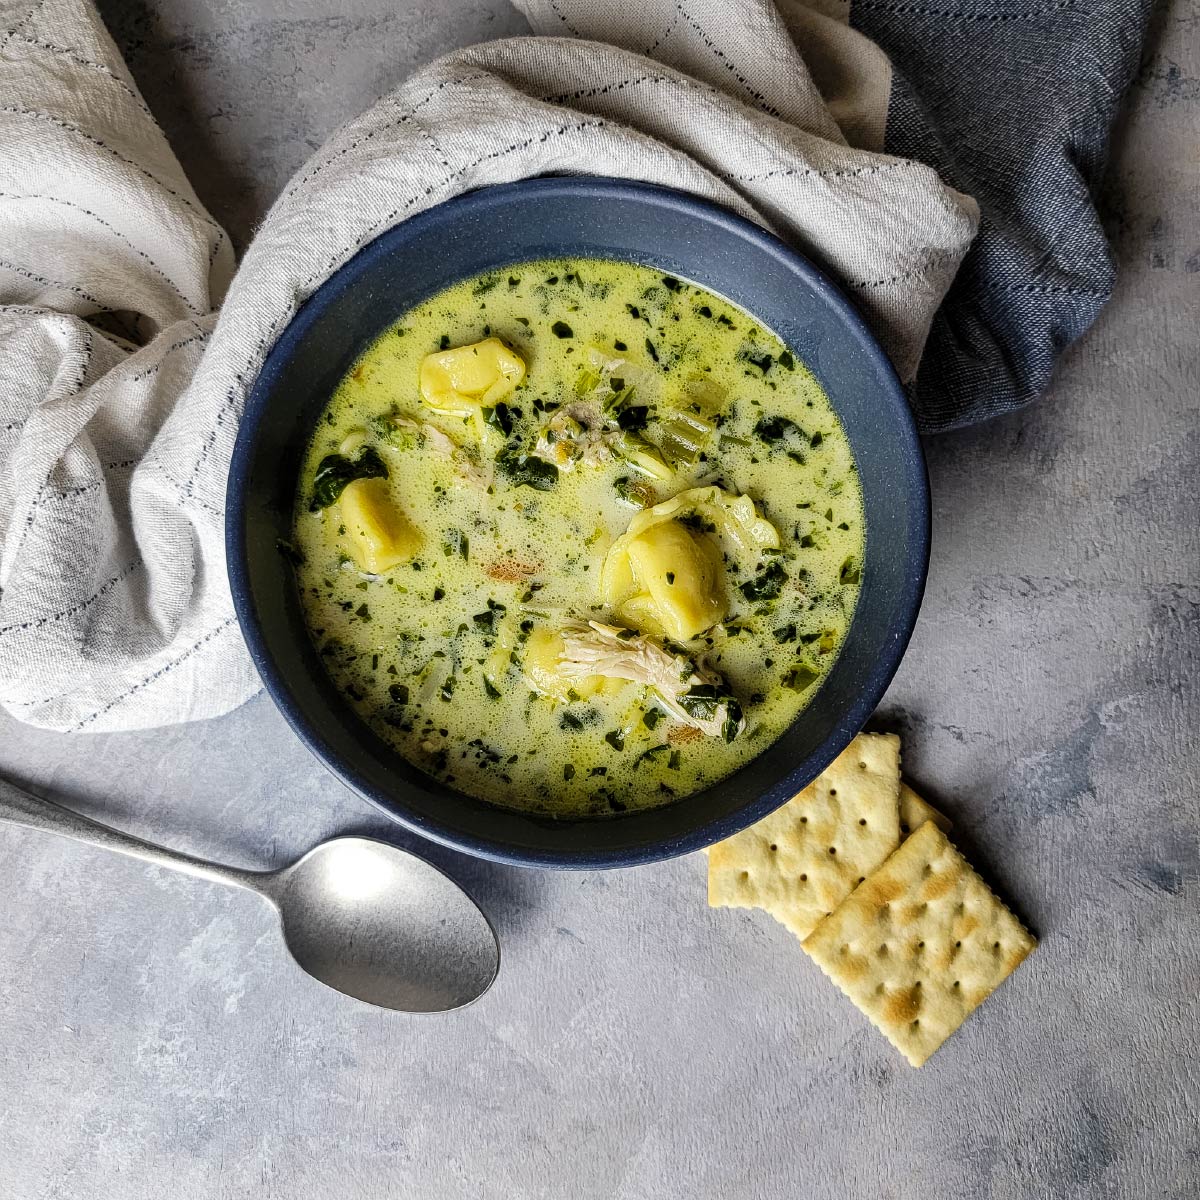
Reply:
x=1012, y=101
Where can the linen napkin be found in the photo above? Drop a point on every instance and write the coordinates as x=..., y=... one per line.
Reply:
x=121, y=387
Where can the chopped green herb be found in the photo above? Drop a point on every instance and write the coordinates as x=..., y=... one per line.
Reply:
x=798, y=678
x=439, y=593
x=701, y=701
x=561, y=329
x=675, y=761
x=785, y=634
x=634, y=417
x=653, y=717
x=650, y=350
x=569, y=771
x=651, y=754
x=447, y=689
x=671, y=283
x=335, y=471
x=500, y=417
x=615, y=739
x=850, y=573
x=767, y=584
x=398, y=693
x=786, y=361
x=456, y=543
x=570, y=721
x=776, y=429
x=493, y=692
x=363, y=612
x=444, y=344
x=527, y=470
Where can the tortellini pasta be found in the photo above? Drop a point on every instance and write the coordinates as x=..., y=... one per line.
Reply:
x=381, y=536
x=462, y=381
x=667, y=577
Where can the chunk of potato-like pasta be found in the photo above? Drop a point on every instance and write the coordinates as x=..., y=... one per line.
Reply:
x=463, y=380
x=381, y=536
x=678, y=573
x=664, y=578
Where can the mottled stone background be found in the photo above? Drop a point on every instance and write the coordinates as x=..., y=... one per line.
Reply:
x=155, y=1040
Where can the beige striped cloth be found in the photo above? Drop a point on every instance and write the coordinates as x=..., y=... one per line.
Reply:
x=128, y=342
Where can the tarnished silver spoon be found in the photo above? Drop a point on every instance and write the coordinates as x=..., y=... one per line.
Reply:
x=360, y=915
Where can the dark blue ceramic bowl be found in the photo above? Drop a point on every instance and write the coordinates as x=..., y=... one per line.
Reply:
x=597, y=218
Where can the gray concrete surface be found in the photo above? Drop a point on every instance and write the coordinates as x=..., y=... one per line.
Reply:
x=155, y=1041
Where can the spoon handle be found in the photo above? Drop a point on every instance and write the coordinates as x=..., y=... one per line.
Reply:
x=21, y=808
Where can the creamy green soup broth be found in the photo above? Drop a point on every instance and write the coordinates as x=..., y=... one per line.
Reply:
x=578, y=537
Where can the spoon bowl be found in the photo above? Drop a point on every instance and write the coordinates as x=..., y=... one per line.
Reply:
x=362, y=916
x=378, y=923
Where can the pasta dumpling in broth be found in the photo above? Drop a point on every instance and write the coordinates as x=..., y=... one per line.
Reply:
x=460, y=382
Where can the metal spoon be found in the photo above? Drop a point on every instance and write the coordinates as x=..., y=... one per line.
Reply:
x=362, y=916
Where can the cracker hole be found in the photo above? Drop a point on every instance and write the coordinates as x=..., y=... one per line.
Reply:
x=833, y=791
x=883, y=948
x=745, y=876
x=803, y=820
x=920, y=946
x=774, y=846
x=862, y=820
x=995, y=945
x=916, y=1024
x=833, y=850
x=862, y=766
x=957, y=984
x=862, y=879
x=803, y=878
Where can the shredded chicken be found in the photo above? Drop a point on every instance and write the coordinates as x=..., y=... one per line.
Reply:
x=692, y=695
x=576, y=433
x=444, y=446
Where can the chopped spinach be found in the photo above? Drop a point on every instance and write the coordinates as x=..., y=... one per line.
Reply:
x=776, y=429
x=527, y=470
x=500, y=417
x=798, y=678
x=633, y=417
x=767, y=584
x=335, y=471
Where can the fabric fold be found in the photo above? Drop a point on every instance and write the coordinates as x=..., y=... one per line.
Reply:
x=121, y=387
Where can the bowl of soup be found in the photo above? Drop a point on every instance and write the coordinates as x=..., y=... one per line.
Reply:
x=577, y=522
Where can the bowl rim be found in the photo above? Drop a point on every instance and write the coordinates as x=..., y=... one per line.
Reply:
x=848, y=723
